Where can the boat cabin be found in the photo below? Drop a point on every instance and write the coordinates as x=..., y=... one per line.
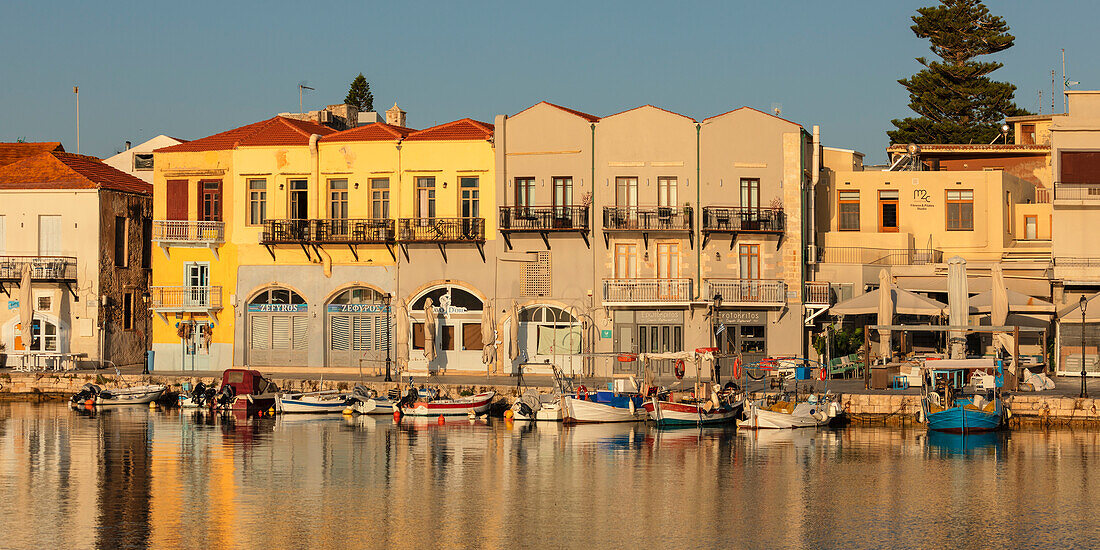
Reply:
x=247, y=382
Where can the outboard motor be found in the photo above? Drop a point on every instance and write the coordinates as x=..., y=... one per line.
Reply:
x=198, y=394
x=409, y=399
x=88, y=391
x=225, y=397
x=359, y=394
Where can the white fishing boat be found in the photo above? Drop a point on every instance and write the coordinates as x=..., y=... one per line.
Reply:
x=535, y=406
x=92, y=394
x=789, y=414
x=601, y=406
x=428, y=403
x=367, y=401
x=317, y=402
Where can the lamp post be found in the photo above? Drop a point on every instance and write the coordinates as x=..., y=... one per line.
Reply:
x=715, y=303
x=389, y=343
x=1084, y=389
x=145, y=297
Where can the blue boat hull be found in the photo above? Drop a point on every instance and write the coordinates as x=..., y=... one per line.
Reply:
x=962, y=420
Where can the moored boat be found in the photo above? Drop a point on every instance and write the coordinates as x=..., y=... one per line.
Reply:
x=92, y=394
x=811, y=413
x=367, y=401
x=533, y=405
x=946, y=408
x=428, y=403
x=318, y=402
x=677, y=409
x=601, y=406
x=246, y=391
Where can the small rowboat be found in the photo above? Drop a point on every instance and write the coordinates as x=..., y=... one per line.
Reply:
x=331, y=401
x=366, y=401
x=462, y=406
x=136, y=395
x=807, y=414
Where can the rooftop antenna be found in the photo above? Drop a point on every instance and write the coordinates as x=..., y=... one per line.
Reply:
x=1053, y=93
x=302, y=85
x=76, y=90
x=1040, y=102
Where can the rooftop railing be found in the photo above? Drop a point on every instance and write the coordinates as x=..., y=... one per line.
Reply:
x=879, y=256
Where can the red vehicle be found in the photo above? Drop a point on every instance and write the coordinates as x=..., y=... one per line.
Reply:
x=246, y=391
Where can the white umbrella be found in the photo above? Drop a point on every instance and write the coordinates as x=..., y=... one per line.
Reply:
x=402, y=340
x=429, y=330
x=958, y=303
x=26, y=308
x=513, y=335
x=999, y=312
x=488, y=336
x=886, y=297
x=905, y=303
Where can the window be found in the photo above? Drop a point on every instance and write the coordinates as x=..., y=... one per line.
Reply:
x=338, y=199
x=425, y=197
x=128, y=311
x=120, y=241
x=960, y=210
x=666, y=191
x=626, y=192
x=525, y=192
x=49, y=235
x=749, y=256
x=257, y=201
x=380, y=198
x=888, y=211
x=146, y=243
x=848, y=207
x=45, y=303
x=626, y=261
x=143, y=161
x=299, y=199
x=563, y=195
x=469, y=197
x=1027, y=134
x=1079, y=167
x=210, y=204
x=750, y=193
x=43, y=335
x=1031, y=227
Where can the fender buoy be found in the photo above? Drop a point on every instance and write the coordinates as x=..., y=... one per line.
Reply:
x=824, y=373
x=737, y=369
x=582, y=392
x=441, y=421
x=680, y=369
x=627, y=358
x=396, y=415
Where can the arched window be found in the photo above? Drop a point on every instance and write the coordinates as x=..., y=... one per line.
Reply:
x=358, y=296
x=549, y=330
x=454, y=296
x=277, y=296
x=545, y=314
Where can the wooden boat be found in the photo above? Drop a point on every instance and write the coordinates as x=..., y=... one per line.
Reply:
x=428, y=403
x=245, y=391
x=601, y=406
x=318, y=402
x=367, y=401
x=533, y=405
x=722, y=406
x=92, y=394
x=811, y=413
x=946, y=408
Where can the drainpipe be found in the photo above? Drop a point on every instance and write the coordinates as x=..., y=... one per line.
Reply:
x=315, y=163
x=814, y=176
x=699, y=210
x=590, y=366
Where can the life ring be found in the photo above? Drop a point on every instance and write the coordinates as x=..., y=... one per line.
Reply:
x=824, y=373
x=582, y=392
x=680, y=369
x=627, y=358
x=737, y=369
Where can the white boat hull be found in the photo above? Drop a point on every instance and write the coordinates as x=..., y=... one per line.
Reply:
x=577, y=411
x=804, y=415
x=311, y=404
x=377, y=405
x=138, y=395
x=548, y=412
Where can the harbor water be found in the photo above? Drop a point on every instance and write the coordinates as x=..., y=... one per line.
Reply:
x=139, y=477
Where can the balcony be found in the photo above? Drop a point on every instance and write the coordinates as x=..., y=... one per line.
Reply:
x=188, y=234
x=44, y=269
x=185, y=299
x=648, y=219
x=771, y=292
x=543, y=220
x=733, y=220
x=818, y=293
x=879, y=256
x=1083, y=193
x=441, y=231
x=646, y=291
x=1077, y=271
x=340, y=231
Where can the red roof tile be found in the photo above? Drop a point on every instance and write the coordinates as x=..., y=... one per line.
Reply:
x=11, y=152
x=586, y=116
x=376, y=131
x=464, y=129
x=61, y=170
x=274, y=131
x=651, y=106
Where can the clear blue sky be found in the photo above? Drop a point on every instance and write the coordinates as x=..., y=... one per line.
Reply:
x=193, y=68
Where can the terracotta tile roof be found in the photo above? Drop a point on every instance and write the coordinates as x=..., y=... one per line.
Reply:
x=971, y=148
x=61, y=170
x=274, y=131
x=11, y=152
x=653, y=107
x=586, y=116
x=751, y=109
x=464, y=129
x=376, y=131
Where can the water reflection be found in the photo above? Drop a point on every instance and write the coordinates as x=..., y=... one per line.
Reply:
x=135, y=477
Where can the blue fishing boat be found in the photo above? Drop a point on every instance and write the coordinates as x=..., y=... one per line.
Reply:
x=947, y=407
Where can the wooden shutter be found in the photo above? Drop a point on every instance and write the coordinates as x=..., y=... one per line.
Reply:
x=177, y=200
x=1080, y=167
x=471, y=336
x=341, y=333
x=301, y=332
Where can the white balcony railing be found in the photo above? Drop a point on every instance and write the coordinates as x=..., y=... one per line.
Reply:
x=762, y=291
x=188, y=232
x=185, y=298
x=647, y=290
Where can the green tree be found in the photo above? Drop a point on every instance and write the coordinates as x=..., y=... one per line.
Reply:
x=955, y=98
x=359, y=94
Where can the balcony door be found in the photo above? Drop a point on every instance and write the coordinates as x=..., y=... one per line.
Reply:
x=749, y=259
x=626, y=261
x=750, y=204
x=668, y=271
x=210, y=201
x=49, y=235
x=563, y=197
x=425, y=200
x=198, y=283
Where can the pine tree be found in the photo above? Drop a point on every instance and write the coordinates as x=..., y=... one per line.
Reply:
x=955, y=98
x=359, y=94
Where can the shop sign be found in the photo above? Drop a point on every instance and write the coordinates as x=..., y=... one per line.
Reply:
x=450, y=310
x=647, y=317
x=358, y=308
x=278, y=308
x=13, y=304
x=742, y=317
x=605, y=333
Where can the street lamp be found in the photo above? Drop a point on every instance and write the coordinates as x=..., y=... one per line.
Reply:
x=389, y=345
x=145, y=298
x=1084, y=390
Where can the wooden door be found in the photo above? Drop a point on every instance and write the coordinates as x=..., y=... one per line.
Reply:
x=177, y=200
x=210, y=201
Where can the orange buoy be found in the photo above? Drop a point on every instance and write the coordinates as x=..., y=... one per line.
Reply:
x=90, y=402
x=397, y=415
x=441, y=421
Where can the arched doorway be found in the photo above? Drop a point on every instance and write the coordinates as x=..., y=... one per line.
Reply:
x=48, y=334
x=548, y=335
x=278, y=329
x=458, y=330
x=357, y=328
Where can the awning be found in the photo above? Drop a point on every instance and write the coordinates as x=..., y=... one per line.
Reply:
x=1018, y=302
x=1072, y=312
x=1032, y=287
x=905, y=303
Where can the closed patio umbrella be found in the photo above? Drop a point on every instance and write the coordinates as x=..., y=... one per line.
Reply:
x=401, y=320
x=885, y=310
x=488, y=336
x=26, y=308
x=999, y=311
x=513, y=334
x=429, y=330
x=958, y=303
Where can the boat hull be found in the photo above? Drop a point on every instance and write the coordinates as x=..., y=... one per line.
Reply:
x=580, y=411
x=961, y=420
x=250, y=405
x=757, y=418
x=376, y=405
x=306, y=404
x=477, y=404
x=142, y=395
x=548, y=412
x=667, y=413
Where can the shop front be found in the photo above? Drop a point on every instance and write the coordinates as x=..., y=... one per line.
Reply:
x=548, y=335
x=278, y=329
x=457, y=331
x=357, y=329
x=741, y=332
x=647, y=331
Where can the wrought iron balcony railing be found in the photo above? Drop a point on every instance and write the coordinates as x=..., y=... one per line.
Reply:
x=42, y=268
x=543, y=218
x=648, y=218
x=185, y=298
x=328, y=231
x=440, y=230
x=647, y=290
x=736, y=219
x=746, y=290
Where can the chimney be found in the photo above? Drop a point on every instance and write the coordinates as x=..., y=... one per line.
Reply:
x=127, y=145
x=395, y=116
